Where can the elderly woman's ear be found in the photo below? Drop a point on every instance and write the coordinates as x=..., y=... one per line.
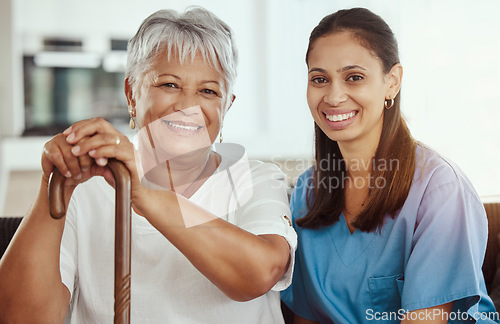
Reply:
x=129, y=94
x=232, y=100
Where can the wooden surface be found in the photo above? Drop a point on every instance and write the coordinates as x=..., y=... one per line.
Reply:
x=490, y=259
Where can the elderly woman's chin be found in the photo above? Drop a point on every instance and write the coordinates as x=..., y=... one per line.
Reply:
x=183, y=150
x=174, y=141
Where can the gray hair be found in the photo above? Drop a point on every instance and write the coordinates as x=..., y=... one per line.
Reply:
x=195, y=30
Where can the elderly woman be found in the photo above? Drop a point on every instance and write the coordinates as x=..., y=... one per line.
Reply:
x=211, y=240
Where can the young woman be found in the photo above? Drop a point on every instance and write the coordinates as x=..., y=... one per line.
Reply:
x=390, y=230
x=211, y=242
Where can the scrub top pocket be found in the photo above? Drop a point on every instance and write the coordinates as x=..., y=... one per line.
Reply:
x=385, y=293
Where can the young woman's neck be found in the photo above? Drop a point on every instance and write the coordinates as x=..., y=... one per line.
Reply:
x=358, y=156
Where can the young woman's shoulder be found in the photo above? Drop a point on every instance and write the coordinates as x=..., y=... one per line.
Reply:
x=298, y=200
x=446, y=223
x=435, y=171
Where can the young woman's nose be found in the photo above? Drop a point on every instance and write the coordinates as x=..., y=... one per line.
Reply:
x=335, y=94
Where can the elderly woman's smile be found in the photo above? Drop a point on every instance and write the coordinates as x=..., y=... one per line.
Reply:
x=187, y=122
x=183, y=128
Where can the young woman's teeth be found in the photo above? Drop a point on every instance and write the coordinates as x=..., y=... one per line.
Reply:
x=184, y=127
x=340, y=117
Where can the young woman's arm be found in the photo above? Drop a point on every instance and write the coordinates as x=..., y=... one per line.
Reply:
x=432, y=315
x=299, y=320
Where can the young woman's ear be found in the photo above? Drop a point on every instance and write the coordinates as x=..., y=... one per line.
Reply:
x=129, y=94
x=393, y=80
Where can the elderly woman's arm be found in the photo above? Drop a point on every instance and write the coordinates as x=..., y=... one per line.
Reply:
x=31, y=290
x=242, y=265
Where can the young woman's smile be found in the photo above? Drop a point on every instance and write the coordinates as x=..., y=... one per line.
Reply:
x=340, y=118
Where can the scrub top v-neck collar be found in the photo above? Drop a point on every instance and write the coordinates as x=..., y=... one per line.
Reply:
x=349, y=246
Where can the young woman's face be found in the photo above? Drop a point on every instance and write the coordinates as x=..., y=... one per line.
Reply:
x=181, y=104
x=346, y=88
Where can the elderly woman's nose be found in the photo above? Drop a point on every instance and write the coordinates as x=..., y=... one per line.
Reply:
x=335, y=94
x=192, y=110
x=185, y=102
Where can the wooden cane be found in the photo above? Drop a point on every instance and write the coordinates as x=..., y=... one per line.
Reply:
x=122, y=231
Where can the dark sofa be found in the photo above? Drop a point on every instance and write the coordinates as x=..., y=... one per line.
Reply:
x=491, y=265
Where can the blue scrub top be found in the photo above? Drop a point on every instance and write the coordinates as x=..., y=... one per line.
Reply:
x=430, y=254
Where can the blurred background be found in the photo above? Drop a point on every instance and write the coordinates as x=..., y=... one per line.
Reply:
x=63, y=60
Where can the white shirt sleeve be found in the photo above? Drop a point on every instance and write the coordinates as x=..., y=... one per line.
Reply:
x=266, y=209
x=69, y=250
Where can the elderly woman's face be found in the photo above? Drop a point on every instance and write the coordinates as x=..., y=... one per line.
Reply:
x=181, y=104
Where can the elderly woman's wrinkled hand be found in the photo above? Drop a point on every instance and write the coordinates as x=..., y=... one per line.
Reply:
x=57, y=154
x=99, y=140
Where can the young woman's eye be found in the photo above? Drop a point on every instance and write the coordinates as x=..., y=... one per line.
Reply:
x=355, y=78
x=319, y=80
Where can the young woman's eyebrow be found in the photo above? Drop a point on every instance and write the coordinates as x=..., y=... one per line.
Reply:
x=320, y=70
x=345, y=68
x=350, y=67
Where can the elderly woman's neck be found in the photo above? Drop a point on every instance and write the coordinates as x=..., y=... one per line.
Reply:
x=184, y=176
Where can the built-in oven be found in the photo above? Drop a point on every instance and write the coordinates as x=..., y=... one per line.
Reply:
x=64, y=84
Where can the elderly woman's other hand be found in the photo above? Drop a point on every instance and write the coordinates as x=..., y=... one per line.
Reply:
x=57, y=154
x=98, y=139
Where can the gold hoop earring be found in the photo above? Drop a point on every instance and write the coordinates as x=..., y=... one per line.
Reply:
x=132, y=122
x=220, y=133
x=392, y=103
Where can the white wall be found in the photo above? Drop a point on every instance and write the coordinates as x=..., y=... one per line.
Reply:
x=6, y=56
x=449, y=49
x=11, y=121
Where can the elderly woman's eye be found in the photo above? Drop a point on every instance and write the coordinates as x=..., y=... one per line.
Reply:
x=168, y=85
x=210, y=92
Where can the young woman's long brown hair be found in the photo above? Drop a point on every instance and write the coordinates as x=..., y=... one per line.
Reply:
x=393, y=165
